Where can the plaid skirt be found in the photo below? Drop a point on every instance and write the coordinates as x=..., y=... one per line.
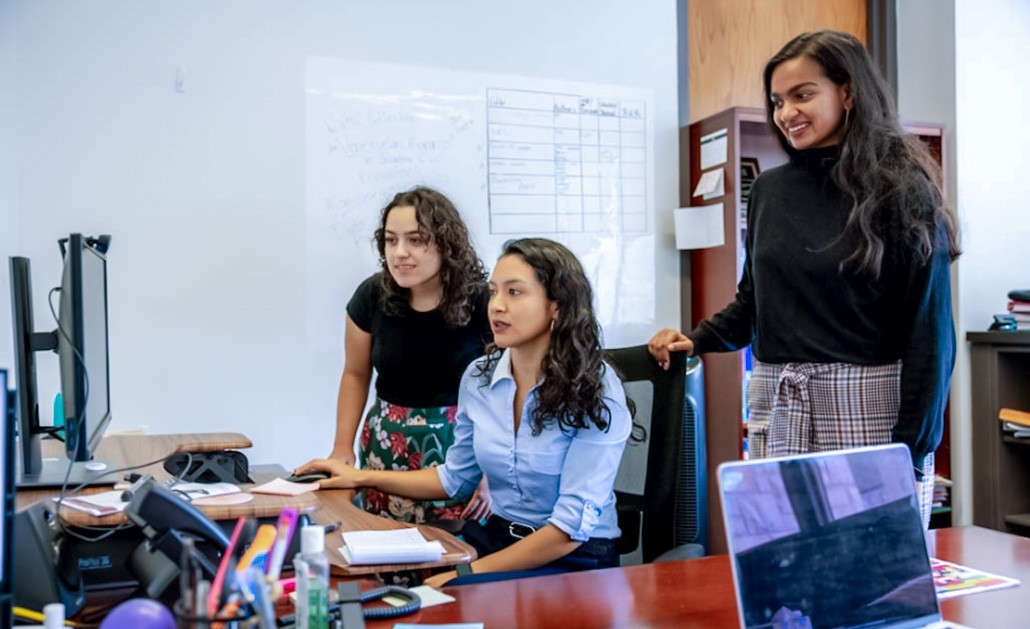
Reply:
x=796, y=408
x=403, y=438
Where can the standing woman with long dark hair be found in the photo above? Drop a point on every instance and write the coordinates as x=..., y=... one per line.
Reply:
x=541, y=417
x=419, y=321
x=846, y=295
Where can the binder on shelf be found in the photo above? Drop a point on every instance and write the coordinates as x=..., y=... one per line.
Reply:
x=1015, y=416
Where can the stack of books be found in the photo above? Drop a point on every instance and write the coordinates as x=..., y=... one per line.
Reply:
x=1019, y=307
x=941, y=490
x=1015, y=423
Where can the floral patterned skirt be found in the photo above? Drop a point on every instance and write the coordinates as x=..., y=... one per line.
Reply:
x=402, y=438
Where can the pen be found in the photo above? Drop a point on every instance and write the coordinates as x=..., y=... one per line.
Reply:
x=333, y=527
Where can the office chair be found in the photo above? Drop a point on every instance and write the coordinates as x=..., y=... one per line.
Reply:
x=650, y=519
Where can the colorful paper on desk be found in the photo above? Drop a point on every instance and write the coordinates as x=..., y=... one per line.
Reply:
x=282, y=487
x=951, y=580
x=384, y=547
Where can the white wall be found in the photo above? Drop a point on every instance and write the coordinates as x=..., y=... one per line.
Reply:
x=993, y=132
x=963, y=63
x=203, y=191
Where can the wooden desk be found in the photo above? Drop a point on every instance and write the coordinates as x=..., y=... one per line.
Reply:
x=325, y=507
x=127, y=450
x=699, y=592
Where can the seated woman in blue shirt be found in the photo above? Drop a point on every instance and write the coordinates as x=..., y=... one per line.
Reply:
x=541, y=416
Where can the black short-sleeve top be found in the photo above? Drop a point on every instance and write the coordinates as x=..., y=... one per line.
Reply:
x=418, y=358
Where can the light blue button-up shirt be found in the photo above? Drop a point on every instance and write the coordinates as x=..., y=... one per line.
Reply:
x=564, y=478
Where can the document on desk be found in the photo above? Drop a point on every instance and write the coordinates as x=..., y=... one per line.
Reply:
x=383, y=547
x=101, y=504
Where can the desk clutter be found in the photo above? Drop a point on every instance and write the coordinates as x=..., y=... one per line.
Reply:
x=115, y=501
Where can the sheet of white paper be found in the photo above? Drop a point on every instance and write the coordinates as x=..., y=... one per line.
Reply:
x=283, y=487
x=711, y=184
x=713, y=148
x=699, y=227
x=429, y=596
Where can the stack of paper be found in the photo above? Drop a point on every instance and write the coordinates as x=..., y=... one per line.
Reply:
x=383, y=547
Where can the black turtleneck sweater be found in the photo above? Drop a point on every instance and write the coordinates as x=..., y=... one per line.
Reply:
x=794, y=304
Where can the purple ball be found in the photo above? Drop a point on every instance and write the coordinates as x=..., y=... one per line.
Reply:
x=139, y=612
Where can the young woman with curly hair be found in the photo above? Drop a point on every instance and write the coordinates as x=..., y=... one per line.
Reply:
x=420, y=321
x=846, y=295
x=541, y=417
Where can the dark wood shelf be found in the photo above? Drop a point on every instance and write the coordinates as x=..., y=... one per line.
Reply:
x=1010, y=337
x=1019, y=519
x=1000, y=368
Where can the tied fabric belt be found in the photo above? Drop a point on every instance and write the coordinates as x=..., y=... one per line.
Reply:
x=790, y=424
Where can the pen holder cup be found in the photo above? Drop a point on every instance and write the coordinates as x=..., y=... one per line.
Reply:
x=186, y=619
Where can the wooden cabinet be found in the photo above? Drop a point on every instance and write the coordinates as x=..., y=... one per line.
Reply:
x=714, y=272
x=1000, y=368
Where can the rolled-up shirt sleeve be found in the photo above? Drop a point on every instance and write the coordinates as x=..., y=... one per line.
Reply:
x=588, y=473
x=460, y=474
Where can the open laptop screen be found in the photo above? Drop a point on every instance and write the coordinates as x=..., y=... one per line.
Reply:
x=828, y=540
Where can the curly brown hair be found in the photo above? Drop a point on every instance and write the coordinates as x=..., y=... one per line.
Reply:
x=571, y=391
x=462, y=275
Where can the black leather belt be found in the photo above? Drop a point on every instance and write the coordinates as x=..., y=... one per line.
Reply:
x=515, y=529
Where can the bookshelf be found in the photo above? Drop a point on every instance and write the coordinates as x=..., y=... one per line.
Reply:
x=714, y=272
x=1000, y=367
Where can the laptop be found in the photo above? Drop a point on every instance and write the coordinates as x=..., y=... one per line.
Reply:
x=830, y=539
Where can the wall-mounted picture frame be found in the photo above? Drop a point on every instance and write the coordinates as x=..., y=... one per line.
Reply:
x=748, y=173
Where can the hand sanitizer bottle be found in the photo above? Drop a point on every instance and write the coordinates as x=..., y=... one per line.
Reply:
x=312, y=569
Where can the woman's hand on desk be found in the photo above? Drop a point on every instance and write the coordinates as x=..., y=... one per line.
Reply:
x=343, y=476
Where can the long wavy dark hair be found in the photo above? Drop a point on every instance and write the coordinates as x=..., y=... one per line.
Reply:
x=893, y=180
x=571, y=392
x=462, y=275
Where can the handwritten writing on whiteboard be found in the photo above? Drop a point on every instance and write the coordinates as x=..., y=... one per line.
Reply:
x=518, y=156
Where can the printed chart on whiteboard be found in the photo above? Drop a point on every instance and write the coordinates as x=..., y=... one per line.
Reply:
x=565, y=162
x=518, y=156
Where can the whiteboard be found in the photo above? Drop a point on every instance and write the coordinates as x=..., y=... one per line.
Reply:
x=518, y=156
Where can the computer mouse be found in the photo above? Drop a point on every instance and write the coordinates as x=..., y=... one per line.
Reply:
x=308, y=477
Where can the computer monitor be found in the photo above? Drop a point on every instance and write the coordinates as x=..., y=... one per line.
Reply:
x=6, y=501
x=81, y=343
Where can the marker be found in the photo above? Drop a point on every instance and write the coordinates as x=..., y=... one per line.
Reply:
x=215, y=595
x=257, y=554
x=284, y=533
x=332, y=528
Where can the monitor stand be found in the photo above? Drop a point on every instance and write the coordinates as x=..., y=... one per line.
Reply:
x=54, y=472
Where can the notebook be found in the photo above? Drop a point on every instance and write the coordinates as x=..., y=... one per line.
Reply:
x=831, y=539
